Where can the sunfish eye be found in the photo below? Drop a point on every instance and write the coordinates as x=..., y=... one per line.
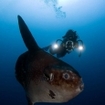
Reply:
x=66, y=76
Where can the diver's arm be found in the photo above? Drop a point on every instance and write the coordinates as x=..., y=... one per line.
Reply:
x=46, y=48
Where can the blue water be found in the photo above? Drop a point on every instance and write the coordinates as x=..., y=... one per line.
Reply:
x=49, y=20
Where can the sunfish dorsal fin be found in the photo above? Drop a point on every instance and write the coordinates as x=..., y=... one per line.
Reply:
x=27, y=36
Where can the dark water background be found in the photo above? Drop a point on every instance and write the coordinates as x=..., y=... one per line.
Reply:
x=49, y=20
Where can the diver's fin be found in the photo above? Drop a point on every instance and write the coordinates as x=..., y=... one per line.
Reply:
x=27, y=36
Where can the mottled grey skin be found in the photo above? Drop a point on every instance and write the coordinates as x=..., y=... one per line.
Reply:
x=44, y=77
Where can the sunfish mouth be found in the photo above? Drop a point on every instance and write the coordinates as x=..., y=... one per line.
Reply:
x=81, y=85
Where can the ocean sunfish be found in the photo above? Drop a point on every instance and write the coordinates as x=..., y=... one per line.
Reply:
x=44, y=77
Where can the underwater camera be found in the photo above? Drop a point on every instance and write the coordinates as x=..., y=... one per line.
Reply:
x=59, y=46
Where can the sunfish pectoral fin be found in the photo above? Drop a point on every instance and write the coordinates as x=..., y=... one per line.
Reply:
x=27, y=36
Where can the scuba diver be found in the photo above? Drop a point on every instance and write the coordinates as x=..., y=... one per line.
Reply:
x=62, y=47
